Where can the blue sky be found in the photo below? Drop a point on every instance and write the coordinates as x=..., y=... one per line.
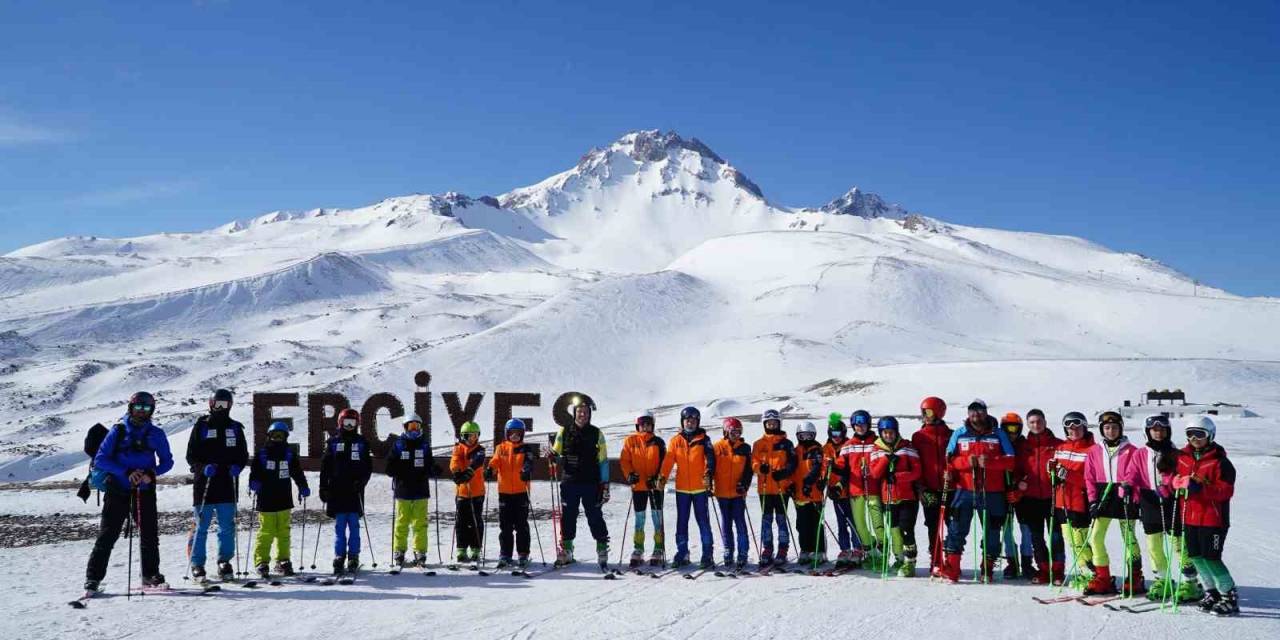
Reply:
x=1150, y=129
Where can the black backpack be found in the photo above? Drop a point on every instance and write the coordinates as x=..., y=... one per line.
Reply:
x=92, y=442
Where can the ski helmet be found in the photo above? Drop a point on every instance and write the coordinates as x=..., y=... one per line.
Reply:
x=469, y=428
x=412, y=426
x=1011, y=423
x=1202, y=424
x=514, y=424
x=806, y=431
x=933, y=405
x=579, y=401
x=770, y=414
x=978, y=405
x=645, y=418
x=836, y=429
x=1158, y=421
x=348, y=419
x=280, y=427
x=690, y=412
x=732, y=426
x=143, y=402
x=887, y=422
x=1111, y=417
x=1075, y=419
x=860, y=418
x=220, y=400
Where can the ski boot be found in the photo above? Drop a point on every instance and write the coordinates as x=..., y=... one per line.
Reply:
x=419, y=559
x=856, y=558
x=637, y=558
x=1210, y=600
x=874, y=561
x=1160, y=589
x=1011, y=568
x=226, y=571
x=198, y=574
x=1057, y=573
x=523, y=561
x=706, y=563
x=1229, y=605
x=907, y=563
x=950, y=569
x=1102, y=583
x=1189, y=591
x=842, y=559
x=397, y=560
x=462, y=556
x=781, y=559
x=155, y=581
x=805, y=559
x=339, y=565
x=353, y=563
x=503, y=562
x=285, y=568
x=264, y=571
x=565, y=555
x=1028, y=570
x=766, y=558
x=1134, y=584
x=602, y=555
x=681, y=559
x=91, y=585
x=658, y=558
x=989, y=571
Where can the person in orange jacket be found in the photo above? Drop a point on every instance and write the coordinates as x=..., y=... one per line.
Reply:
x=732, y=480
x=694, y=459
x=512, y=465
x=467, y=464
x=896, y=465
x=846, y=534
x=930, y=441
x=641, y=461
x=773, y=459
x=808, y=487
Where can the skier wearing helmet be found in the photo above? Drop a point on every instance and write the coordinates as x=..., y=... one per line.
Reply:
x=773, y=460
x=1205, y=481
x=809, y=491
x=854, y=464
x=896, y=465
x=467, y=466
x=693, y=459
x=344, y=472
x=1070, y=501
x=732, y=480
x=512, y=466
x=846, y=534
x=410, y=467
x=1110, y=499
x=580, y=455
x=930, y=441
x=217, y=451
x=1016, y=532
x=641, y=460
x=273, y=472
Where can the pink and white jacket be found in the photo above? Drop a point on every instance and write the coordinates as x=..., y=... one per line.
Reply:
x=1103, y=466
x=1139, y=471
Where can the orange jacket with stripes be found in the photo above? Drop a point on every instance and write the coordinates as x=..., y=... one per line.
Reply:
x=733, y=468
x=1072, y=492
x=904, y=468
x=642, y=454
x=775, y=450
x=463, y=458
x=807, y=480
x=512, y=463
x=694, y=459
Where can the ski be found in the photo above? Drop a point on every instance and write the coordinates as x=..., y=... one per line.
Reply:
x=694, y=575
x=83, y=600
x=347, y=580
x=1057, y=600
x=1133, y=608
x=1093, y=601
x=729, y=574
x=609, y=573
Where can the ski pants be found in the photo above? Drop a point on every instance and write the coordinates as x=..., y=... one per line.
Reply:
x=226, y=513
x=273, y=526
x=1033, y=513
x=586, y=496
x=990, y=508
x=932, y=501
x=868, y=520
x=513, y=524
x=697, y=503
x=902, y=532
x=1204, y=547
x=773, y=510
x=138, y=506
x=846, y=534
x=1163, y=531
x=809, y=528
x=469, y=523
x=1075, y=529
x=1017, y=537
x=1098, y=542
x=648, y=502
x=411, y=515
x=733, y=518
x=346, y=534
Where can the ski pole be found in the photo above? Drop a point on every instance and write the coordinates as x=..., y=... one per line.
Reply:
x=435, y=480
x=392, y=545
x=252, y=544
x=133, y=496
x=751, y=527
x=787, y=518
x=302, y=544
x=484, y=526
x=235, y=526
x=1087, y=536
x=528, y=493
x=316, y=551
x=367, y=533
x=724, y=533
x=623, y=535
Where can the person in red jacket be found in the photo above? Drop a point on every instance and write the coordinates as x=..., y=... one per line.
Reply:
x=1035, y=506
x=846, y=534
x=1071, y=498
x=979, y=455
x=854, y=465
x=896, y=465
x=930, y=441
x=1205, y=481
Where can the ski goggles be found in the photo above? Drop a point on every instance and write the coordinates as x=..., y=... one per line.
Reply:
x=222, y=405
x=349, y=423
x=1157, y=421
x=278, y=436
x=861, y=421
x=1197, y=434
x=928, y=414
x=413, y=426
x=1074, y=422
x=145, y=408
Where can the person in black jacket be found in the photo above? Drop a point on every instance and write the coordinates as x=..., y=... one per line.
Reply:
x=217, y=452
x=274, y=466
x=344, y=472
x=410, y=467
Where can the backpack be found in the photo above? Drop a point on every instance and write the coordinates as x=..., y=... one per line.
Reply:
x=98, y=478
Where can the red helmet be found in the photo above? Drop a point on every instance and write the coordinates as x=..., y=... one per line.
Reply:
x=732, y=423
x=935, y=405
x=348, y=414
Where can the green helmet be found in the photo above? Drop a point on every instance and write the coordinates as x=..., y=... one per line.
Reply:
x=469, y=428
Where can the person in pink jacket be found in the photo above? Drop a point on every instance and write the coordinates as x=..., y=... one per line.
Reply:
x=1110, y=499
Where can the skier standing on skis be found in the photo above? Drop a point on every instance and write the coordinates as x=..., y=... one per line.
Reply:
x=581, y=453
x=1071, y=498
x=134, y=452
x=217, y=452
x=272, y=473
x=732, y=480
x=809, y=490
x=344, y=472
x=895, y=464
x=1017, y=534
x=641, y=460
x=854, y=463
x=1035, y=451
x=693, y=458
x=1205, y=480
x=979, y=455
x=467, y=466
x=930, y=441
x=773, y=460
x=1109, y=500
x=411, y=467
x=846, y=535
x=512, y=466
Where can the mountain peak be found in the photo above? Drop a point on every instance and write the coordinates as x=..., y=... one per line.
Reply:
x=857, y=202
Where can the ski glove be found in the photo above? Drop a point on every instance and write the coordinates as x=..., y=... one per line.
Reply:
x=1093, y=509
x=525, y=475
x=764, y=467
x=304, y=492
x=930, y=498
x=210, y=469
x=477, y=459
x=235, y=470
x=489, y=473
x=633, y=478
x=742, y=489
x=779, y=475
x=808, y=486
x=652, y=483
x=1061, y=472
x=255, y=486
x=1193, y=487
x=464, y=476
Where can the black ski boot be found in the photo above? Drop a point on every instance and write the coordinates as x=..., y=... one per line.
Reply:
x=1229, y=605
x=339, y=565
x=1210, y=600
x=226, y=571
x=353, y=563
x=156, y=580
x=198, y=574
x=1011, y=568
x=285, y=568
x=91, y=585
x=264, y=571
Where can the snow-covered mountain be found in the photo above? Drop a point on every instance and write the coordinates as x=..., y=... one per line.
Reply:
x=653, y=272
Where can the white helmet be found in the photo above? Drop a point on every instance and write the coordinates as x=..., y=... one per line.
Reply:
x=1203, y=423
x=807, y=427
x=413, y=417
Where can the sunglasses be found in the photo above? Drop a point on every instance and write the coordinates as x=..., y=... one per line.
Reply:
x=1197, y=434
x=1074, y=423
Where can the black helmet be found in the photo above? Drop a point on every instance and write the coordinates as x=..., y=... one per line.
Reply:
x=221, y=395
x=142, y=398
x=690, y=412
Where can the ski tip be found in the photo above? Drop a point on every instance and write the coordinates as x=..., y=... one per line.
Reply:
x=77, y=604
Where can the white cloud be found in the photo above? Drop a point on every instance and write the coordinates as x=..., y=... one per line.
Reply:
x=130, y=194
x=16, y=131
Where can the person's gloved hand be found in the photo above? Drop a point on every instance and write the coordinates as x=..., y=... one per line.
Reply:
x=209, y=470
x=764, y=467
x=304, y=492
x=467, y=474
x=652, y=482
x=633, y=478
x=1193, y=486
x=235, y=470
x=1093, y=508
x=808, y=486
x=489, y=473
x=707, y=484
x=741, y=489
x=779, y=475
x=324, y=494
x=1061, y=473
x=930, y=498
x=525, y=475
x=255, y=486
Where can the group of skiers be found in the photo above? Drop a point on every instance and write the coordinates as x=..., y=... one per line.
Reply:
x=1046, y=495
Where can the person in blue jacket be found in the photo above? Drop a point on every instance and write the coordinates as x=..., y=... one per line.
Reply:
x=134, y=452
